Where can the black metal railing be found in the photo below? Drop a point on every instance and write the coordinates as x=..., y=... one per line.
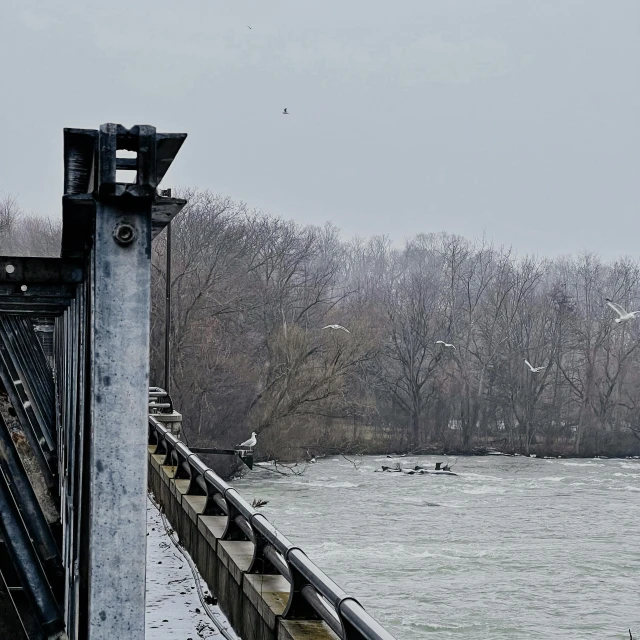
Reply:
x=312, y=595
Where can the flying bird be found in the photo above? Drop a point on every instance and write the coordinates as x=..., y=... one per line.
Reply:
x=285, y=112
x=624, y=316
x=445, y=344
x=534, y=369
x=251, y=442
x=248, y=27
x=336, y=326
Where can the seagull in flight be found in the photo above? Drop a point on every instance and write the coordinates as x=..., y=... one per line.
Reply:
x=445, y=344
x=336, y=326
x=251, y=442
x=624, y=316
x=534, y=369
x=285, y=112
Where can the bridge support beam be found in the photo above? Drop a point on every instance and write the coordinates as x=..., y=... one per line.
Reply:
x=120, y=283
x=27, y=503
x=15, y=388
x=27, y=565
x=99, y=292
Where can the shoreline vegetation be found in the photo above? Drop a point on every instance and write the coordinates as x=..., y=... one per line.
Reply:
x=442, y=344
x=319, y=451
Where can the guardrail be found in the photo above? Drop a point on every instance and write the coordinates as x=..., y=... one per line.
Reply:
x=159, y=401
x=313, y=595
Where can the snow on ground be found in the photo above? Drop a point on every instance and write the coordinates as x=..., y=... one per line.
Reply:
x=174, y=610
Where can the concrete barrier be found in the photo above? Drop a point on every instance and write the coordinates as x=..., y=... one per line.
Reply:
x=252, y=602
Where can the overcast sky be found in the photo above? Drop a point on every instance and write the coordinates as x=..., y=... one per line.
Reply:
x=516, y=118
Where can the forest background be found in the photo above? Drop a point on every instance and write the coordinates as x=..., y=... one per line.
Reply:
x=252, y=294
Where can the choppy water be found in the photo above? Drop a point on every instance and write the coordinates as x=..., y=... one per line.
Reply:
x=511, y=548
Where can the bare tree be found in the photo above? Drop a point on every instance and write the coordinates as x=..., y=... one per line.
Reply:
x=252, y=293
x=23, y=233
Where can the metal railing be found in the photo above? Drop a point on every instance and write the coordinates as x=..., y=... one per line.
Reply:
x=312, y=595
x=159, y=401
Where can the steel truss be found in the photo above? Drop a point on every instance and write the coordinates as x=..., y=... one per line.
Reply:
x=84, y=576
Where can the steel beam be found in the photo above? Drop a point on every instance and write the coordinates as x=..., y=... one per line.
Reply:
x=90, y=169
x=25, y=498
x=32, y=310
x=118, y=407
x=53, y=290
x=99, y=294
x=16, y=617
x=27, y=566
x=70, y=351
x=26, y=417
x=57, y=271
x=39, y=298
x=33, y=371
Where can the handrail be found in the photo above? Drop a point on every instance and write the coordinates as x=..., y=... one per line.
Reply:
x=156, y=404
x=312, y=594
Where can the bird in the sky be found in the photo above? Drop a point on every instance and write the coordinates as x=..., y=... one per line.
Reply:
x=623, y=316
x=444, y=344
x=251, y=442
x=285, y=112
x=336, y=326
x=248, y=27
x=532, y=368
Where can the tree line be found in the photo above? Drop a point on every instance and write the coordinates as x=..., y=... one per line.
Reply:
x=26, y=234
x=252, y=294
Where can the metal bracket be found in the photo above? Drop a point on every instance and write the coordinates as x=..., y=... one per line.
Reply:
x=297, y=606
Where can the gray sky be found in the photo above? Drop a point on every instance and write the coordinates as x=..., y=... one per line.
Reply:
x=516, y=118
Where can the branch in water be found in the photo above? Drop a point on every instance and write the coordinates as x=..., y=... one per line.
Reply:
x=291, y=469
x=348, y=460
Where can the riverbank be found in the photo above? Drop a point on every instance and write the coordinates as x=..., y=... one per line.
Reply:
x=356, y=449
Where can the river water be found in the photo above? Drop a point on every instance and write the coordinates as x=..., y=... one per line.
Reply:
x=512, y=547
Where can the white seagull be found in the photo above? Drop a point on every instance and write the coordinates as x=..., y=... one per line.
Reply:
x=534, y=369
x=336, y=326
x=251, y=442
x=445, y=344
x=624, y=316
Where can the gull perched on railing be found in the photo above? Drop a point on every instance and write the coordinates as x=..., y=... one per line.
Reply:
x=445, y=344
x=624, y=316
x=534, y=369
x=336, y=326
x=251, y=442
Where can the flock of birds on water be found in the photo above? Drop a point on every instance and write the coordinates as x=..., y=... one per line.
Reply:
x=623, y=316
